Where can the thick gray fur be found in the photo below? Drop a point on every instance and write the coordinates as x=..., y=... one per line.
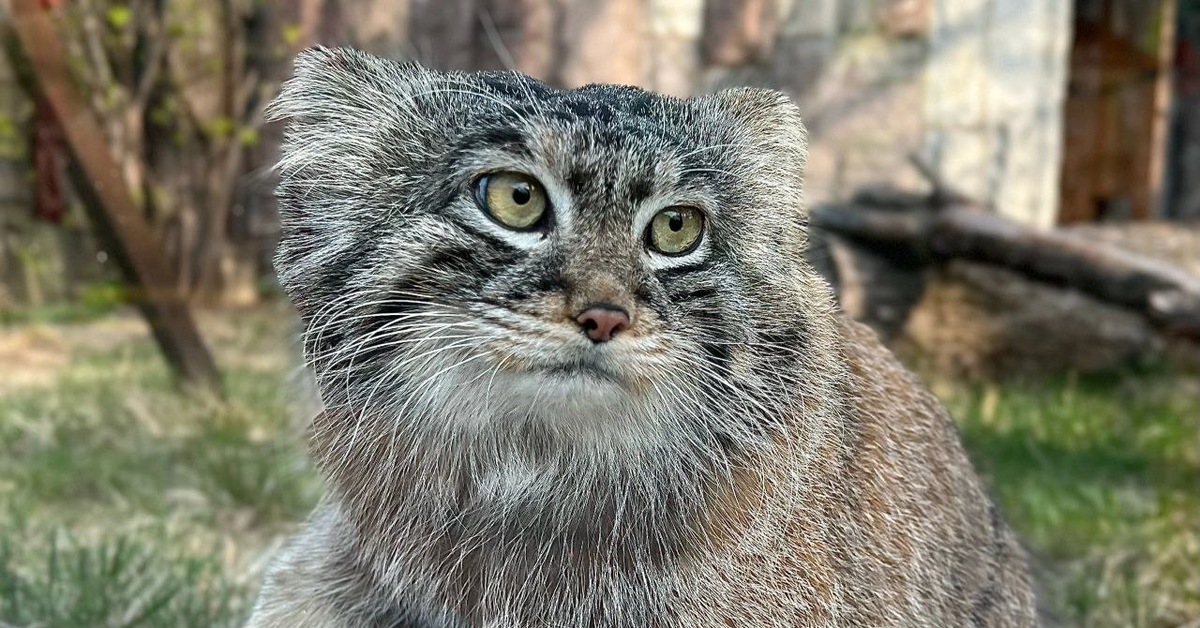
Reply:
x=740, y=456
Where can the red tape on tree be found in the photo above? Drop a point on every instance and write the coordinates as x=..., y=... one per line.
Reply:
x=49, y=163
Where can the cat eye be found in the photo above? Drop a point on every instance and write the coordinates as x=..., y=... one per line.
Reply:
x=675, y=230
x=514, y=200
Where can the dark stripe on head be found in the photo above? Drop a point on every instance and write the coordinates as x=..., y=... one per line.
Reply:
x=718, y=353
x=639, y=190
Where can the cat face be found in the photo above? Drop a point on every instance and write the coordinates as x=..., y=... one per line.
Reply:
x=470, y=251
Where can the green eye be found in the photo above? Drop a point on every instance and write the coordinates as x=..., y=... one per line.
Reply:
x=675, y=230
x=514, y=200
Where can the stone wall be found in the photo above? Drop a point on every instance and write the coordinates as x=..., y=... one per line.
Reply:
x=994, y=92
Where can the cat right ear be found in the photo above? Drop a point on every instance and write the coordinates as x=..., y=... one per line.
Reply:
x=351, y=124
x=772, y=118
x=352, y=118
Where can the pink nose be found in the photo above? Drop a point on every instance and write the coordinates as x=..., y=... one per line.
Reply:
x=602, y=322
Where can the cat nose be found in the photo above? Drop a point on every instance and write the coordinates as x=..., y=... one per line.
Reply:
x=602, y=322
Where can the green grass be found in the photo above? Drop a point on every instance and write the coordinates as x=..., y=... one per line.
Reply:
x=1101, y=478
x=126, y=503
x=117, y=581
x=92, y=302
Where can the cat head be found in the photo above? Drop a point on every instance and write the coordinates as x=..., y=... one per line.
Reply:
x=480, y=251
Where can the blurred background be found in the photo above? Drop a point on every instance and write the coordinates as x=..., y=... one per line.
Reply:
x=1007, y=190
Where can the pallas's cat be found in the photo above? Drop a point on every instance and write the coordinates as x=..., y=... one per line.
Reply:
x=577, y=372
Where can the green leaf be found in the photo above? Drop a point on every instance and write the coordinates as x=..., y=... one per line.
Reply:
x=118, y=16
x=291, y=34
x=221, y=127
x=161, y=115
x=248, y=136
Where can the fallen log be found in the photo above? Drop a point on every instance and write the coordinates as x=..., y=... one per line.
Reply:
x=1167, y=295
x=949, y=226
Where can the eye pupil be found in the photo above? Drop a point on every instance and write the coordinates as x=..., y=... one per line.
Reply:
x=675, y=222
x=521, y=193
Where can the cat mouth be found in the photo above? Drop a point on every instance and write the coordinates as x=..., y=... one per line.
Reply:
x=581, y=370
x=583, y=367
x=569, y=363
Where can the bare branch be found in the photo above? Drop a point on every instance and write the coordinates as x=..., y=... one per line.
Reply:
x=155, y=57
x=943, y=193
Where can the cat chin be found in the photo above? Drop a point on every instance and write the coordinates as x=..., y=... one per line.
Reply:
x=574, y=404
x=570, y=392
x=561, y=396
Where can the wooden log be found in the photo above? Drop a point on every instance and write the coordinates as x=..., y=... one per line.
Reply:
x=1163, y=292
x=1167, y=295
x=31, y=37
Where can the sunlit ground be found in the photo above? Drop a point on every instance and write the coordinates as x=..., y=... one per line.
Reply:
x=124, y=503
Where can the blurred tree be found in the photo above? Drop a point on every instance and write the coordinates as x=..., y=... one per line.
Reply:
x=180, y=89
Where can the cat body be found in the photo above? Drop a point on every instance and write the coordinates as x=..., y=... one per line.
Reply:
x=576, y=372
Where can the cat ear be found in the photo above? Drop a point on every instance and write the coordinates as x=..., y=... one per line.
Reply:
x=772, y=120
x=351, y=119
x=352, y=122
x=343, y=84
